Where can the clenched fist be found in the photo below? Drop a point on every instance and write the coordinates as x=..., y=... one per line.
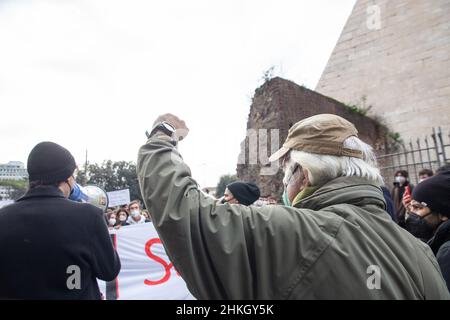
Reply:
x=181, y=130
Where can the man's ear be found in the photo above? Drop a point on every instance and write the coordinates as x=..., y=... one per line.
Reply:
x=65, y=188
x=306, y=182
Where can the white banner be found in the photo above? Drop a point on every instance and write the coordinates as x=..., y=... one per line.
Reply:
x=119, y=197
x=147, y=273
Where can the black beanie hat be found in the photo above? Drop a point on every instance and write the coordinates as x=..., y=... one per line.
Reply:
x=50, y=163
x=245, y=193
x=435, y=192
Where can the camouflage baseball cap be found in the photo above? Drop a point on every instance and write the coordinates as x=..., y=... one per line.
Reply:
x=322, y=134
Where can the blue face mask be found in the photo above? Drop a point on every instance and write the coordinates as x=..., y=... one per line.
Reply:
x=77, y=194
x=286, y=199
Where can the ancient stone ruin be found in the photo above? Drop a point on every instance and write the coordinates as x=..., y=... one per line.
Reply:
x=277, y=105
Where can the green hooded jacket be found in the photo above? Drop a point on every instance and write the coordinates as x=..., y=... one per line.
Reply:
x=338, y=243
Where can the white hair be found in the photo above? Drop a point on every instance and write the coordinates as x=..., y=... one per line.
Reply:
x=324, y=168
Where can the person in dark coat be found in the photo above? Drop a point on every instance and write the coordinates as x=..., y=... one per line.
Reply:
x=389, y=203
x=429, y=218
x=245, y=193
x=401, y=186
x=444, y=168
x=52, y=247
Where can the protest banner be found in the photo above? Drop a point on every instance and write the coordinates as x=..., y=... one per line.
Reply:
x=146, y=271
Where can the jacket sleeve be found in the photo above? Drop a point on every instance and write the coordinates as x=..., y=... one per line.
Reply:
x=106, y=262
x=443, y=258
x=223, y=251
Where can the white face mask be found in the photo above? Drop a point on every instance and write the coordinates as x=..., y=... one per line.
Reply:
x=122, y=218
x=400, y=179
x=112, y=221
x=135, y=213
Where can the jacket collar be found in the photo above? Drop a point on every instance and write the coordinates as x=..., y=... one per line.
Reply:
x=43, y=192
x=441, y=236
x=305, y=193
x=345, y=190
x=130, y=220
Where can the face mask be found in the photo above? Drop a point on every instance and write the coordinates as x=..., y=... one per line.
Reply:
x=286, y=199
x=421, y=180
x=77, y=193
x=112, y=221
x=418, y=227
x=122, y=218
x=400, y=179
x=135, y=213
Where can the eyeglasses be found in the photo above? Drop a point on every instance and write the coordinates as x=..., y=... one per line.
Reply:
x=292, y=173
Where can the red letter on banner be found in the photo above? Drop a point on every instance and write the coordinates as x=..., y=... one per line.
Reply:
x=167, y=266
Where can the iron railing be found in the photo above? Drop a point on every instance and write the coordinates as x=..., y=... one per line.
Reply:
x=428, y=153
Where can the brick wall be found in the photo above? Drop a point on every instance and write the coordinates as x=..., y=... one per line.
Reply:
x=280, y=103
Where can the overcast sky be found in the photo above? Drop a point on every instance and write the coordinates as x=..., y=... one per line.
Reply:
x=95, y=74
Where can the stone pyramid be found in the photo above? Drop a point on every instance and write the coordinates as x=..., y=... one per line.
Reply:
x=394, y=55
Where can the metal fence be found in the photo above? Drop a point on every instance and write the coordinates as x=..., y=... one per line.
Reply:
x=430, y=152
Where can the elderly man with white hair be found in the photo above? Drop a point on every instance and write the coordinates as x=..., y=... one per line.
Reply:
x=331, y=240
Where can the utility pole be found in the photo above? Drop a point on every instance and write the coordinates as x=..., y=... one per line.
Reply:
x=86, y=168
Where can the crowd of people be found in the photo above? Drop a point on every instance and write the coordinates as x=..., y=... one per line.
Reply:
x=424, y=211
x=127, y=214
x=338, y=223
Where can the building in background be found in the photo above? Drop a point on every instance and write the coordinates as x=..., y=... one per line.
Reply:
x=4, y=192
x=13, y=170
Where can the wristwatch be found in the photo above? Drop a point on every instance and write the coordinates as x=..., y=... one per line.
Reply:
x=163, y=127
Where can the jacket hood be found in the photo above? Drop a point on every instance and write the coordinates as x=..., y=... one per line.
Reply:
x=345, y=190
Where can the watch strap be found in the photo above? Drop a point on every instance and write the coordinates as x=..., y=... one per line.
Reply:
x=161, y=127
